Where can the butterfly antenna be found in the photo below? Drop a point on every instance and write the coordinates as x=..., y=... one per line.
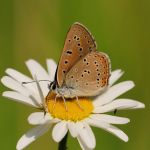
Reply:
x=35, y=81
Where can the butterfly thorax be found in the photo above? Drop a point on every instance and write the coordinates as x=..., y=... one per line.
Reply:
x=64, y=91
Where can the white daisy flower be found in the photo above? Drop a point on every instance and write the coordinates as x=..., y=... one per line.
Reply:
x=75, y=120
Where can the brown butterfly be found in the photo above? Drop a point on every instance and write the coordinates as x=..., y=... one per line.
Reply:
x=82, y=70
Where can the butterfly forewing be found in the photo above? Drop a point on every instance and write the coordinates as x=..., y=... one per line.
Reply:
x=78, y=43
x=89, y=76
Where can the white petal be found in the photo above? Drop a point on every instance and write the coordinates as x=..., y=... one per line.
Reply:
x=117, y=104
x=109, y=128
x=113, y=92
x=115, y=75
x=14, y=85
x=59, y=131
x=86, y=134
x=72, y=129
x=37, y=70
x=21, y=78
x=138, y=105
x=39, y=118
x=21, y=98
x=51, y=66
x=32, y=135
x=82, y=144
x=110, y=119
x=91, y=135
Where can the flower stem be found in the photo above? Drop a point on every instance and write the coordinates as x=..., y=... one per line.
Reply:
x=63, y=143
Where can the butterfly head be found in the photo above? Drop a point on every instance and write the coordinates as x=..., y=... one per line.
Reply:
x=52, y=86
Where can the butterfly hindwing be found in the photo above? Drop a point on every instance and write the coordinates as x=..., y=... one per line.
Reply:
x=89, y=75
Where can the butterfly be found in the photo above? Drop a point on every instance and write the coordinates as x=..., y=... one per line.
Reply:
x=82, y=71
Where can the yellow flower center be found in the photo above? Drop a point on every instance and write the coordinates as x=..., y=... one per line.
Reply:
x=74, y=112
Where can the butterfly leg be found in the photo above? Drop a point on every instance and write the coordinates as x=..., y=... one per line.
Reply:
x=55, y=102
x=79, y=103
x=65, y=103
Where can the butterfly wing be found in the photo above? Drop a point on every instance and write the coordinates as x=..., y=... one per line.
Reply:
x=90, y=75
x=78, y=43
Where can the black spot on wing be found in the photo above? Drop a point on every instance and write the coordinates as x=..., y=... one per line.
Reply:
x=69, y=52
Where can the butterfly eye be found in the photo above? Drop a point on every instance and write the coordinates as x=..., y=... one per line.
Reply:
x=54, y=86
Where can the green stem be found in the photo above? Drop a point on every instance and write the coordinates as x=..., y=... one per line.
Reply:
x=63, y=143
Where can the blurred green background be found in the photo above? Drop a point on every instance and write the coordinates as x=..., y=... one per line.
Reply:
x=37, y=29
